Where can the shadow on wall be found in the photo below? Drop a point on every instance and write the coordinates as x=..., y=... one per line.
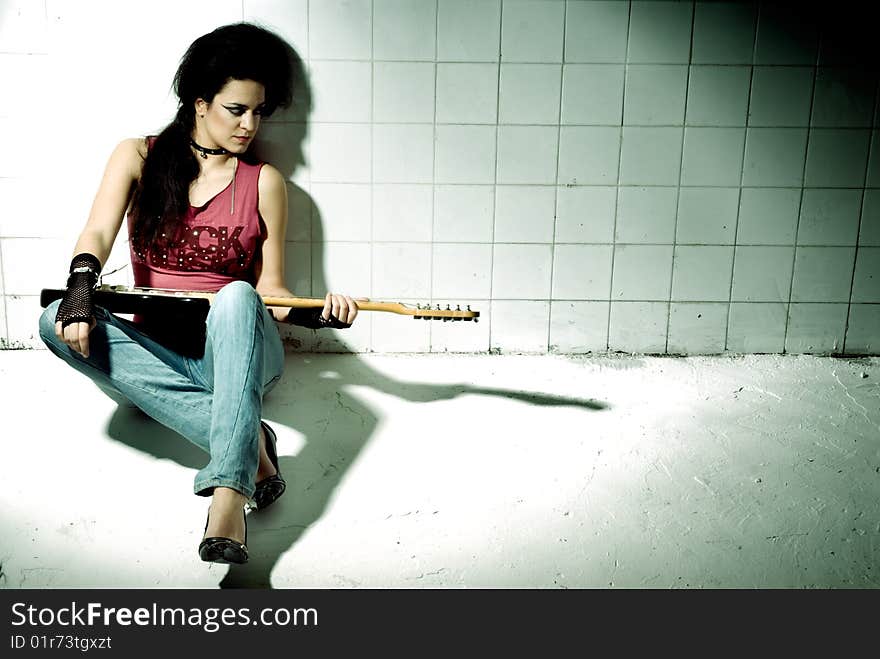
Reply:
x=336, y=425
x=849, y=35
x=842, y=34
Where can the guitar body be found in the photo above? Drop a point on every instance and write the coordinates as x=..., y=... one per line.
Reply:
x=185, y=307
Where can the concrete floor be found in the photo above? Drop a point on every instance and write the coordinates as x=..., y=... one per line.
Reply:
x=464, y=471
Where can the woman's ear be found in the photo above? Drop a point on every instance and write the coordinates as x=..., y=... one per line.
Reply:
x=201, y=107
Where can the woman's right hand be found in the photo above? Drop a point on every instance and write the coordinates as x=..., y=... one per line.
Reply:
x=76, y=313
x=76, y=335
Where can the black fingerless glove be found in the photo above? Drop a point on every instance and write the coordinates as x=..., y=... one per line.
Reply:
x=312, y=319
x=76, y=305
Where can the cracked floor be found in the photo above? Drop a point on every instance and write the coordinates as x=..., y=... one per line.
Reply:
x=467, y=471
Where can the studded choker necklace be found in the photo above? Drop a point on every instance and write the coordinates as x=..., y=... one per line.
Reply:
x=205, y=152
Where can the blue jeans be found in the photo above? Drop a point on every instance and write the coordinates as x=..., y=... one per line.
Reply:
x=214, y=401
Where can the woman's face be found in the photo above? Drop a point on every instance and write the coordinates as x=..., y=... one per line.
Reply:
x=232, y=119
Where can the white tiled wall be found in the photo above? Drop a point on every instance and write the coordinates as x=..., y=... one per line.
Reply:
x=650, y=176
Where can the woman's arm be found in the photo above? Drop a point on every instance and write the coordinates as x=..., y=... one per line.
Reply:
x=121, y=173
x=270, y=276
x=273, y=210
x=108, y=209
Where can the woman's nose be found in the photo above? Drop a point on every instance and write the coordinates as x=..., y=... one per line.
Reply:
x=248, y=121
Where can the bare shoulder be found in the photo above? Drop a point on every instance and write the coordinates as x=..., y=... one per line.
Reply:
x=272, y=195
x=133, y=147
x=271, y=180
x=129, y=156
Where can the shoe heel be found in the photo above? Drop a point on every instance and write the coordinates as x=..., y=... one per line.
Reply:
x=271, y=447
x=269, y=489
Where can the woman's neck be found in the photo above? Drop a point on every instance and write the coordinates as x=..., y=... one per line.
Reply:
x=207, y=155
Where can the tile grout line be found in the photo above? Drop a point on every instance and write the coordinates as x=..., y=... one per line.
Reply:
x=524, y=62
x=678, y=187
x=495, y=172
x=801, y=201
x=617, y=186
x=372, y=164
x=431, y=325
x=310, y=194
x=556, y=176
x=742, y=174
x=572, y=125
x=306, y=62
x=852, y=284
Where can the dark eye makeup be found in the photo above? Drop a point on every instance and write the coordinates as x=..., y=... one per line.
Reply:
x=238, y=110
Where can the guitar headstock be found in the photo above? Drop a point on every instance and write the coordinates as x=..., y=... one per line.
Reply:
x=427, y=312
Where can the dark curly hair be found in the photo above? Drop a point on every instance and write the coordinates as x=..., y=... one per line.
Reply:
x=241, y=51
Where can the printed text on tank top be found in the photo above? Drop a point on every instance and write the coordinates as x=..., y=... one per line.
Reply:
x=204, y=249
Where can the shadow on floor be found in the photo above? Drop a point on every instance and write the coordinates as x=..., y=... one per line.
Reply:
x=336, y=425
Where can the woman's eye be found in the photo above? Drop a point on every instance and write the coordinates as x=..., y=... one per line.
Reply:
x=239, y=111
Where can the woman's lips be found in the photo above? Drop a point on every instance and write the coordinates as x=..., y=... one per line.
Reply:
x=240, y=138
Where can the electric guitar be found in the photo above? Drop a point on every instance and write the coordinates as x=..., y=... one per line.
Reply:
x=195, y=304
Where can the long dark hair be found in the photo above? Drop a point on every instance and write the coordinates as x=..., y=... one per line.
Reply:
x=241, y=51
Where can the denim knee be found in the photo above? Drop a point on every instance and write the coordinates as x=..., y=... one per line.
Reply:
x=47, y=323
x=236, y=292
x=235, y=296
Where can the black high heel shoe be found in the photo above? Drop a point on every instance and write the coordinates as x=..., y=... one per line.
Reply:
x=224, y=550
x=272, y=487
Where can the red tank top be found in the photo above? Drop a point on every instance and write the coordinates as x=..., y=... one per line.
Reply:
x=220, y=242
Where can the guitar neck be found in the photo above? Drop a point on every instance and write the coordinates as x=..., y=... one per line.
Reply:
x=313, y=302
x=375, y=305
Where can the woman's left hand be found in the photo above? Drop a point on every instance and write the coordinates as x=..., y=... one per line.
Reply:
x=341, y=308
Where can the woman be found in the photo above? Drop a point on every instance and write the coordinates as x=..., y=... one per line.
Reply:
x=201, y=216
